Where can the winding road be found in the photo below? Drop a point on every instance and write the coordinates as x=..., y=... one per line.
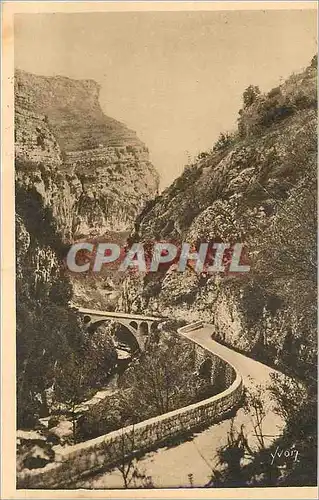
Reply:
x=194, y=460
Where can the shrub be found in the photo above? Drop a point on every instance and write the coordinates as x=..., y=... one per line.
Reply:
x=224, y=141
x=162, y=379
x=275, y=92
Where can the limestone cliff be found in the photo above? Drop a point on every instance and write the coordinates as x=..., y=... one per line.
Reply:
x=78, y=174
x=256, y=186
x=91, y=170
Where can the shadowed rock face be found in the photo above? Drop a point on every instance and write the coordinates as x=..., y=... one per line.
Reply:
x=78, y=170
x=91, y=170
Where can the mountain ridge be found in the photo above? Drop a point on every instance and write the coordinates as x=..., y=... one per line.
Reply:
x=257, y=186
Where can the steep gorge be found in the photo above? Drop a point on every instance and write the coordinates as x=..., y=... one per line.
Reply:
x=256, y=186
x=78, y=173
x=81, y=174
x=91, y=170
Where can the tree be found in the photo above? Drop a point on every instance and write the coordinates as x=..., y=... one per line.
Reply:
x=250, y=95
x=297, y=407
x=255, y=405
x=288, y=394
x=224, y=140
x=314, y=61
x=229, y=456
x=125, y=451
x=126, y=464
x=231, y=469
x=163, y=379
x=297, y=404
x=72, y=381
x=45, y=334
x=51, y=341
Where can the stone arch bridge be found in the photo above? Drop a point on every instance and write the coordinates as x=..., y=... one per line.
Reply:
x=139, y=325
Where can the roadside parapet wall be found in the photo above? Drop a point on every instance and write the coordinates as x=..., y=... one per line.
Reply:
x=107, y=450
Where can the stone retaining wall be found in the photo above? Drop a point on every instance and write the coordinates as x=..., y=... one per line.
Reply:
x=107, y=450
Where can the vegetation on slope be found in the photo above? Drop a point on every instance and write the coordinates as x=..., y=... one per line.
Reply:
x=163, y=378
x=256, y=186
x=51, y=342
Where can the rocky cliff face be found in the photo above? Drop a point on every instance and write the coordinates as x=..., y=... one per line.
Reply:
x=78, y=174
x=91, y=170
x=256, y=186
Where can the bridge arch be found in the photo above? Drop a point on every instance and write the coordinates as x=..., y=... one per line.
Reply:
x=140, y=326
x=132, y=327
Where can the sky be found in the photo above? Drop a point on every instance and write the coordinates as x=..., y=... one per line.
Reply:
x=176, y=78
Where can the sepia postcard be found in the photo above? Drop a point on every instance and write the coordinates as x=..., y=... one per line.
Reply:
x=159, y=250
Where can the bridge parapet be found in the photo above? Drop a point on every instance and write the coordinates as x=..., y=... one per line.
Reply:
x=139, y=326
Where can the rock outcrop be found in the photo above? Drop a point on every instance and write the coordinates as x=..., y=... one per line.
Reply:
x=78, y=174
x=91, y=170
x=256, y=186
